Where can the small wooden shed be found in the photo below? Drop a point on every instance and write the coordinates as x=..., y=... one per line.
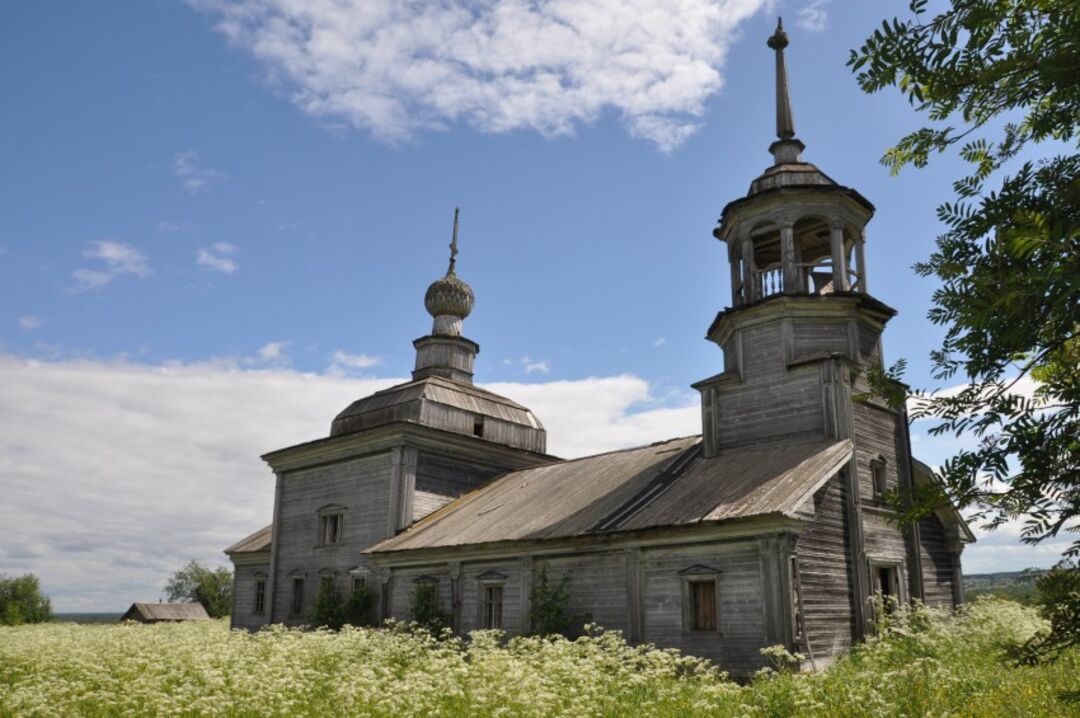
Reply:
x=159, y=612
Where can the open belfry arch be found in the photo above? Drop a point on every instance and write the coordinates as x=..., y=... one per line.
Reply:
x=771, y=527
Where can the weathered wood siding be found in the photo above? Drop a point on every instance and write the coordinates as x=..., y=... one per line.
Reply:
x=440, y=480
x=513, y=595
x=772, y=400
x=362, y=487
x=244, y=578
x=936, y=563
x=596, y=586
x=817, y=338
x=825, y=574
x=741, y=617
x=878, y=433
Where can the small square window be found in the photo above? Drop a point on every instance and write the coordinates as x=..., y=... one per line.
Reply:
x=326, y=583
x=491, y=606
x=330, y=526
x=260, y=597
x=297, y=606
x=702, y=605
x=359, y=583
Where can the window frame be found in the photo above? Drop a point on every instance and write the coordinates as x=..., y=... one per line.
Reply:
x=879, y=478
x=327, y=516
x=691, y=578
x=258, y=603
x=296, y=598
x=490, y=581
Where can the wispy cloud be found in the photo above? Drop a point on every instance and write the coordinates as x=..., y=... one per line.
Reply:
x=813, y=17
x=343, y=363
x=29, y=322
x=659, y=342
x=398, y=68
x=119, y=258
x=193, y=178
x=219, y=257
x=272, y=351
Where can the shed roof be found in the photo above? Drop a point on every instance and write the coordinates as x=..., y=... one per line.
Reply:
x=256, y=542
x=664, y=484
x=167, y=612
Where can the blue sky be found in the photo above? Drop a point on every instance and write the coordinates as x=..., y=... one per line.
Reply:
x=193, y=198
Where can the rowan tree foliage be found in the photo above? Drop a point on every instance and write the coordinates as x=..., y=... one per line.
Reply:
x=198, y=584
x=999, y=81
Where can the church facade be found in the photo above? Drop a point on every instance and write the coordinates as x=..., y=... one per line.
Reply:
x=770, y=527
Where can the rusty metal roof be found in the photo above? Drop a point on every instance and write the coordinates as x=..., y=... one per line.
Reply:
x=663, y=484
x=258, y=541
x=166, y=612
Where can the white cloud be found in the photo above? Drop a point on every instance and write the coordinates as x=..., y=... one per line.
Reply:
x=28, y=322
x=343, y=363
x=158, y=500
x=531, y=366
x=219, y=257
x=119, y=258
x=813, y=17
x=272, y=351
x=193, y=178
x=175, y=471
x=661, y=341
x=396, y=67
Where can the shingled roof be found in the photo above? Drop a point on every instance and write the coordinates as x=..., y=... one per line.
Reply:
x=256, y=542
x=664, y=484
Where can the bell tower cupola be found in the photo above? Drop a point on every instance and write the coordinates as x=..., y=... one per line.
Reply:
x=796, y=231
x=799, y=297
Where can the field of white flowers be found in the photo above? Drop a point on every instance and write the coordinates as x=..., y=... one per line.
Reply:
x=929, y=664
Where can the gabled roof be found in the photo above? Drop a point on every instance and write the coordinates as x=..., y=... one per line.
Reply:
x=258, y=541
x=664, y=484
x=166, y=612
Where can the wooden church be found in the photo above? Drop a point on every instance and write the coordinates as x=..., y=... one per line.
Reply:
x=768, y=528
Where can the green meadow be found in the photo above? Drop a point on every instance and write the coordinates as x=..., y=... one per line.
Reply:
x=926, y=663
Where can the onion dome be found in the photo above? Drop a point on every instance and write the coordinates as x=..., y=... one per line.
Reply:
x=449, y=296
x=449, y=300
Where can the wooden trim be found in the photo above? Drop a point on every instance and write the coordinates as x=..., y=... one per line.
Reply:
x=274, y=548
x=728, y=530
x=635, y=595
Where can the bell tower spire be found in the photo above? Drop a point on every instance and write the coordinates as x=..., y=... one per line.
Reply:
x=786, y=149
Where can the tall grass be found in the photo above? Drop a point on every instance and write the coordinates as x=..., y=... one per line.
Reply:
x=925, y=663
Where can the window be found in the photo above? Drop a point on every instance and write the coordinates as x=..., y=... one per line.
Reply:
x=478, y=426
x=877, y=474
x=703, y=605
x=260, y=597
x=491, y=606
x=297, y=606
x=796, y=598
x=330, y=525
x=359, y=583
x=326, y=583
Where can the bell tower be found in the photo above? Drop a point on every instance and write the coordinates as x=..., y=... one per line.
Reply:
x=798, y=339
x=799, y=298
